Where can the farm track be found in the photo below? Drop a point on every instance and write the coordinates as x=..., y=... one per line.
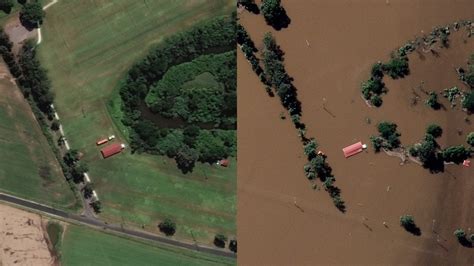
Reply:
x=115, y=228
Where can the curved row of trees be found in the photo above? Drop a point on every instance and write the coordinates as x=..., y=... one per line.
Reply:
x=190, y=143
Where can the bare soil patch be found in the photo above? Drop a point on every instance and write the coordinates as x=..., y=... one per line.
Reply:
x=22, y=239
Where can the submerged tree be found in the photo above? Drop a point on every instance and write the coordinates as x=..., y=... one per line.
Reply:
x=470, y=139
x=408, y=222
x=432, y=101
x=434, y=130
x=274, y=14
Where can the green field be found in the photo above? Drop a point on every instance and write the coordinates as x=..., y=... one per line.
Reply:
x=88, y=46
x=83, y=246
x=28, y=167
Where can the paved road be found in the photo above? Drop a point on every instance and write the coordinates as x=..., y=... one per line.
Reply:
x=113, y=227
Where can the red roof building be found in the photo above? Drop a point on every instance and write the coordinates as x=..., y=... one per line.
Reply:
x=224, y=162
x=352, y=149
x=112, y=149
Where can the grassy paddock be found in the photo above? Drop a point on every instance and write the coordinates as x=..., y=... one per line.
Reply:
x=87, y=47
x=55, y=232
x=84, y=246
x=28, y=168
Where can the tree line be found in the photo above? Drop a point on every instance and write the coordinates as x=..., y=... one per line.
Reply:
x=35, y=85
x=275, y=77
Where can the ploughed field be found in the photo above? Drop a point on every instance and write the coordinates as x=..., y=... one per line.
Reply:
x=345, y=39
x=87, y=48
x=28, y=167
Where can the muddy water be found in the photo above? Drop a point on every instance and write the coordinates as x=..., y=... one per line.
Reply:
x=346, y=38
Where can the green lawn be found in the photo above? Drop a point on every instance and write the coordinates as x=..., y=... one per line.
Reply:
x=83, y=246
x=28, y=167
x=88, y=46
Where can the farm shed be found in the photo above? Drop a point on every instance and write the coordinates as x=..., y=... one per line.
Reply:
x=353, y=149
x=112, y=149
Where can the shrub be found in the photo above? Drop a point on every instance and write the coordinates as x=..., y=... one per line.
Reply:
x=219, y=240
x=434, y=130
x=468, y=101
x=233, y=245
x=55, y=125
x=376, y=100
x=470, y=139
x=97, y=206
x=408, y=222
x=432, y=101
x=460, y=234
x=167, y=226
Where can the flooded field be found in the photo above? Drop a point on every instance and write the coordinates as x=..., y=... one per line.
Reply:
x=345, y=38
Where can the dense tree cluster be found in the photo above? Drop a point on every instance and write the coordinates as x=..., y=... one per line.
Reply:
x=32, y=14
x=388, y=138
x=185, y=92
x=185, y=145
x=432, y=156
x=274, y=14
x=374, y=87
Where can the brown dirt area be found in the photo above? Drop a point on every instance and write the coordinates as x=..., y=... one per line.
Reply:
x=346, y=38
x=22, y=239
x=17, y=33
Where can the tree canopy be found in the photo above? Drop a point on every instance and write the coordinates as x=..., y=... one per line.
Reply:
x=6, y=5
x=274, y=14
x=32, y=14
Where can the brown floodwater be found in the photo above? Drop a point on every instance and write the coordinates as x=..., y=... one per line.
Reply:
x=346, y=38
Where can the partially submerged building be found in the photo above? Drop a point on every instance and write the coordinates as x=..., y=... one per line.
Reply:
x=353, y=149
